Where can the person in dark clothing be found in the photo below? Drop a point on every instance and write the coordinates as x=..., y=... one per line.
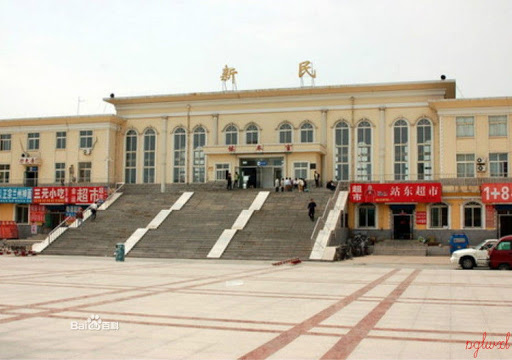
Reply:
x=311, y=210
x=230, y=182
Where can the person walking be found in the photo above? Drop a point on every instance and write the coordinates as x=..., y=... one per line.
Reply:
x=94, y=209
x=277, y=184
x=317, y=179
x=311, y=210
x=230, y=182
x=237, y=180
x=79, y=216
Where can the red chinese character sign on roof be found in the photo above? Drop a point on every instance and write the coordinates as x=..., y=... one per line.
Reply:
x=231, y=148
x=259, y=148
x=288, y=147
x=382, y=193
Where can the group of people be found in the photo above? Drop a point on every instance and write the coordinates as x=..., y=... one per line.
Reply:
x=229, y=179
x=288, y=184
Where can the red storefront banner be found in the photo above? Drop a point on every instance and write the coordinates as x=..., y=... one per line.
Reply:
x=37, y=213
x=496, y=193
x=68, y=195
x=400, y=192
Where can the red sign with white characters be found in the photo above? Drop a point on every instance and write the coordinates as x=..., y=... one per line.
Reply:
x=37, y=213
x=496, y=193
x=421, y=218
x=68, y=195
x=401, y=192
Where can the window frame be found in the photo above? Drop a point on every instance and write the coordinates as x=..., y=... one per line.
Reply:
x=221, y=169
x=33, y=141
x=252, y=135
x=5, y=142
x=502, y=165
x=60, y=140
x=5, y=173
x=341, y=156
x=494, y=122
x=425, y=150
x=364, y=133
x=468, y=164
x=179, y=158
x=473, y=205
x=366, y=206
x=231, y=133
x=149, y=157
x=85, y=139
x=465, y=126
x=131, y=141
x=60, y=172
x=84, y=172
x=285, y=133
x=441, y=206
x=307, y=133
x=304, y=167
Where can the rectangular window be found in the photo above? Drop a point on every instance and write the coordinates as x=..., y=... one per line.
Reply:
x=84, y=172
x=300, y=169
x=60, y=173
x=465, y=165
x=439, y=216
x=366, y=216
x=498, y=164
x=60, y=140
x=33, y=141
x=22, y=214
x=220, y=171
x=5, y=142
x=498, y=125
x=4, y=173
x=85, y=139
x=465, y=126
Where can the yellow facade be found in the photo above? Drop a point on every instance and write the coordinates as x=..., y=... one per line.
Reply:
x=142, y=142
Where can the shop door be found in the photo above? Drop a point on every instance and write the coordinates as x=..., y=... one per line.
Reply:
x=31, y=176
x=505, y=225
x=402, y=227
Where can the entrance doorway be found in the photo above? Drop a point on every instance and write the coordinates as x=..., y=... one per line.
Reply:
x=31, y=176
x=505, y=225
x=260, y=172
x=402, y=221
x=402, y=227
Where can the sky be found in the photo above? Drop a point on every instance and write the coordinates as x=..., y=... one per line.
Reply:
x=62, y=57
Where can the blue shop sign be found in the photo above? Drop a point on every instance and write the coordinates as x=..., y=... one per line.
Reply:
x=262, y=163
x=16, y=195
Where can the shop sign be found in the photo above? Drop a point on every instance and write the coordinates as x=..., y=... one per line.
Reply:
x=421, y=218
x=37, y=213
x=16, y=195
x=69, y=195
x=496, y=193
x=401, y=192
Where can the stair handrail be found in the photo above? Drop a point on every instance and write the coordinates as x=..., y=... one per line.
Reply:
x=328, y=207
x=58, y=230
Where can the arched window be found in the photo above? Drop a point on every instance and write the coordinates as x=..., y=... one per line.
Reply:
x=364, y=151
x=251, y=134
x=231, y=135
x=341, y=156
x=306, y=133
x=199, y=142
x=425, y=150
x=439, y=215
x=401, y=144
x=366, y=216
x=180, y=143
x=130, y=164
x=472, y=215
x=285, y=134
x=149, y=156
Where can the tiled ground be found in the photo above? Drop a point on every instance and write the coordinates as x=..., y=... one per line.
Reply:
x=368, y=308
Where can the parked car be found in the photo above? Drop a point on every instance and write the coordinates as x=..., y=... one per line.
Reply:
x=500, y=256
x=473, y=256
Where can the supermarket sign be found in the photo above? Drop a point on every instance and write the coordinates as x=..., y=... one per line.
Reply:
x=496, y=193
x=68, y=195
x=398, y=192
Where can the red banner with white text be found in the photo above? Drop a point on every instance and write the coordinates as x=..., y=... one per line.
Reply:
x=496, y=193
x=68, y=194
x=399, y=192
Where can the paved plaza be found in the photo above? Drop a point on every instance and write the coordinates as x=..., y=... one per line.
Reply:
x=375, y=307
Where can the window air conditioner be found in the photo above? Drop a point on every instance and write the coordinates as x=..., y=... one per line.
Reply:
x=481, y=168
x=481, y=160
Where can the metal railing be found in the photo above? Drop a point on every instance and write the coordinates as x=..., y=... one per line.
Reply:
x=65, y=224
x=320, y=223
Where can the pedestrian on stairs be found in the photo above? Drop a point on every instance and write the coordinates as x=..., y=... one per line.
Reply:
x=94, y=208
x=311, y=210
x=79, y=216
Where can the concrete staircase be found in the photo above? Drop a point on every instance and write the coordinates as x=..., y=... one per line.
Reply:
x=115, y=225
x=191, y=232
x=400, y=248
x=281, y=229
